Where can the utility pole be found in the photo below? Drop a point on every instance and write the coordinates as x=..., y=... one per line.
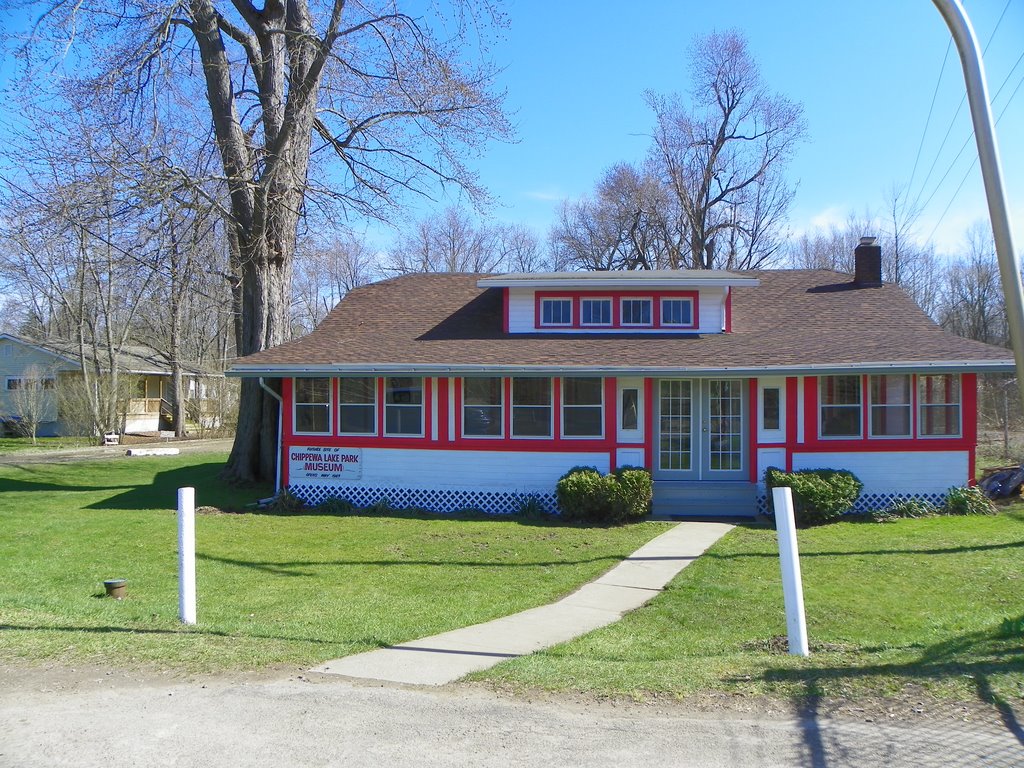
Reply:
x=988, y=157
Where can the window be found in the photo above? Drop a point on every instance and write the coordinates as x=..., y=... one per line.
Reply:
x=596, y=311
x=840, y=406
x=582, y=408
x=636, y=312
x=531, y=407
x=630, y=411
x=890, y=406
x=556, y=312
x=357, y=406
x=313, y=406
x=13, y=384
x=482, y=407
x=677, y=312
x=771, y=410
x=403, y=406
x=939, y=402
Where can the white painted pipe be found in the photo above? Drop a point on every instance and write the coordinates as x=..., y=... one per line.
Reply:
x=991, y=173
x=187, y=555
x=789, y=560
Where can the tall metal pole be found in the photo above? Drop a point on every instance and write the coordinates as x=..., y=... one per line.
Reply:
x=988, y=157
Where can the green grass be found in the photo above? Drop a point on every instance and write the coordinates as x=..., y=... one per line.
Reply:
x=936, y=604
x=17, y=444
x=272, y=589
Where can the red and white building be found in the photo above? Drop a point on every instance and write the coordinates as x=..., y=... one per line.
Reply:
x=453, y=391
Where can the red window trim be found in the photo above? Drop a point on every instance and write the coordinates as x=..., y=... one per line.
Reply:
x=616, y=298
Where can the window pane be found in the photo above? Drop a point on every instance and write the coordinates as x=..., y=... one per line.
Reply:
x=676, y=312
x=939, y=390
x=360, y=390
x=581, y=421
x=636, y=312
x=403, y=419
x=890, y=420
x=840, y=390
x=630, y=409
x=581, y=391
x=482, y=421
x=771, y=416
x=531, y=421
x=531, y=391
x=357, y=419
x=482, y=391
x=312, y=390
x=940, y=420
x=556, y=312
x=840, y=421
x=596, y=311
x=311, y=418
x=404, y=390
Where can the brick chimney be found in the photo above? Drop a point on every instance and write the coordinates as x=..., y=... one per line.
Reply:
x=867, y=263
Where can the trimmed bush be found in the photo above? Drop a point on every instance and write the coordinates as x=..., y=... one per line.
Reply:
x=819, y=495
x=586, y=496
x=967, y=501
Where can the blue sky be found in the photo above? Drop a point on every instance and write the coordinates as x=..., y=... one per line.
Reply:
x=864, y=71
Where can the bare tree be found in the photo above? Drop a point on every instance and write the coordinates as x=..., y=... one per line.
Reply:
x=520, y=250
x=722, y=154
x=393, y=101
x=626, y=224
x=325, y=272
x=451, y=242
x=973, y=304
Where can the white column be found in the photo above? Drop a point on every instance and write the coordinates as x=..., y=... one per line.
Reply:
x=789, y=560
x=187, y=555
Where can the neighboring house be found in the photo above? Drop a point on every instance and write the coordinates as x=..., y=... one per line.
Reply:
x=53, y=365
x=449, y=391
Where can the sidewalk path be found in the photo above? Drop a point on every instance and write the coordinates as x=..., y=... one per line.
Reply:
x=447, y=657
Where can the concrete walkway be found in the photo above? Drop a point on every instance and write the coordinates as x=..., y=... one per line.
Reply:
x=447, y=657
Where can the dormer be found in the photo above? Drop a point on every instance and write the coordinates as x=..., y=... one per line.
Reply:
x=652, y=301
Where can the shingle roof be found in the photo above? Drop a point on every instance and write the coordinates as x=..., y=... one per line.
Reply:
x=135, y=359
x=794, y=320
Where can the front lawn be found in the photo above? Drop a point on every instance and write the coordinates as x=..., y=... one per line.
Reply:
x=272, y=589
x=18, y=444
x=936, y=603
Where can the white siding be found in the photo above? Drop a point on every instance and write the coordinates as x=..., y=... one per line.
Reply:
x=895, y=472
x=498, y=471
x=769, y=457
x=521, y=316
x=19, y=360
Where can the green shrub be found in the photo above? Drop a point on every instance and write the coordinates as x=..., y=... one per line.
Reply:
x=587, y=496
x=634, y=490
x=967, y=501
x=531, y=508
x=903, y=509
x=819, y=495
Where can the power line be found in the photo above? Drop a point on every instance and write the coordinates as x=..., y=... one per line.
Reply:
x=931, y=108
x=973, y=163
x=952, y=121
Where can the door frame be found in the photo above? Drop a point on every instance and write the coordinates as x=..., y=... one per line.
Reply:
x=700, y=439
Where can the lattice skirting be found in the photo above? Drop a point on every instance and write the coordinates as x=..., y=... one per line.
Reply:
x=431, y=500
x=871, y=502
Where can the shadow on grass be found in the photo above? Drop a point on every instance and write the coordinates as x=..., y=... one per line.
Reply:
x=162, y=493
x=190, y=632
x=11, y=485
x=293, y=568
x=840, y=553
x=977, y=655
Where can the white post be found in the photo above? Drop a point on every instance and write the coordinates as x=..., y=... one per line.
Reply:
x=789, y=559
x=187, y=555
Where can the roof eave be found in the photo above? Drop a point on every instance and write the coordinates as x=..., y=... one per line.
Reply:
x=446, y=369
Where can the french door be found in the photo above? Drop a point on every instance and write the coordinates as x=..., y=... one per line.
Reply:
x=701, y=430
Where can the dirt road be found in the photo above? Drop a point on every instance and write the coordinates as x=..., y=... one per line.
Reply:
x=108, y=718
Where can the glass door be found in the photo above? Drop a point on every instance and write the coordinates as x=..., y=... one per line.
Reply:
x=701, y=430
